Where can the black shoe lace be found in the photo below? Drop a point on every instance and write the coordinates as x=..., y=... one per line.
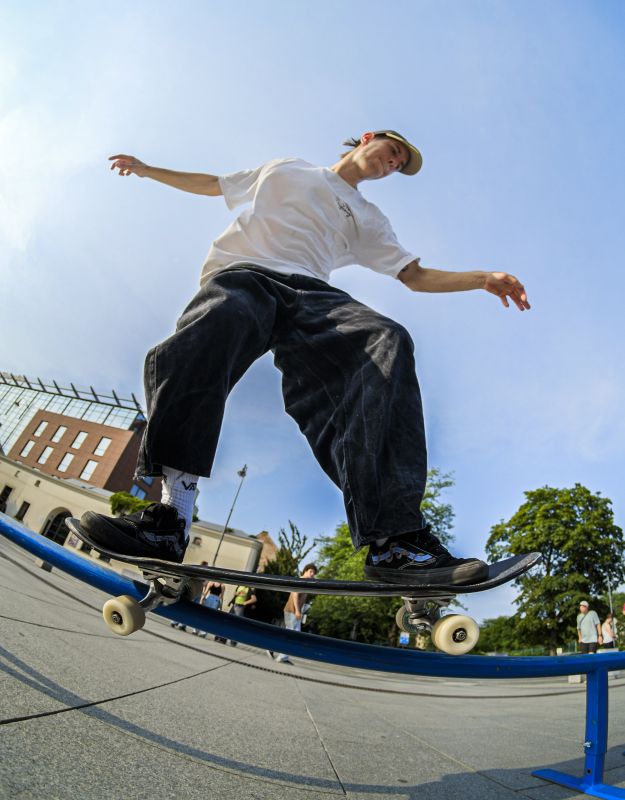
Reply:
x=431, y=543
x=157, y=513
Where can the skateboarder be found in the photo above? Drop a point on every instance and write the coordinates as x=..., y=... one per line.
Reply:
x=348, y=372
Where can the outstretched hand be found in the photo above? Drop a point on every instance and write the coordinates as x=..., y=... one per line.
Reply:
x=128, y=165
x=507, y=286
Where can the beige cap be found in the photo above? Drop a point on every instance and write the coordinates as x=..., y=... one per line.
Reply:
x=415, y=162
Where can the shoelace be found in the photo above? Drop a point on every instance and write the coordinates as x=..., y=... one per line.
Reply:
x=158, y=513
x=430, y=543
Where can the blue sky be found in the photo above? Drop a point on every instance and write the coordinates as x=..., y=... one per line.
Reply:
x=518, y=109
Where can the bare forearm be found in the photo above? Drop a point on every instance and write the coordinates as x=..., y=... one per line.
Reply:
x=501, y=284
x=194, y=182
x=425, y=279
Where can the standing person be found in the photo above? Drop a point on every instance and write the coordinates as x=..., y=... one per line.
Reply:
x=242, y=599
x=198, y=598
x=608, y=632
x=348, y=372
x=588, y=629
x=212, y=596
x=294, y=610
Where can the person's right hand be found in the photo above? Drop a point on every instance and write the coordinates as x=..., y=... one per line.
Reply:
x=129, y=165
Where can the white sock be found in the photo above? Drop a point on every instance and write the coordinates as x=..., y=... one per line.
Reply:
x=179, y=491
x=380, y=542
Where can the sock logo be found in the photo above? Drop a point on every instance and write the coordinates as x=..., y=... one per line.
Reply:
x=189, y=486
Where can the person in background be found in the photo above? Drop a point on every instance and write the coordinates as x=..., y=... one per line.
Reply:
x=212, y=596
x=294, y=610
x=588, y=629
x=244, y=597
x=608, y=632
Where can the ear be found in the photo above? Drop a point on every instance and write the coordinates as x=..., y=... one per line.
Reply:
x=367, y=137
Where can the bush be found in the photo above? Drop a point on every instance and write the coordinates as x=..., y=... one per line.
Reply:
x=124, y=503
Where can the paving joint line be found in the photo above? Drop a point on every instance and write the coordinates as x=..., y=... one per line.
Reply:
x=104, y=701
x=320, y=737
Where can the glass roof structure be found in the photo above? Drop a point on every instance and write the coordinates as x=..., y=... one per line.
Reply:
x=21, y=398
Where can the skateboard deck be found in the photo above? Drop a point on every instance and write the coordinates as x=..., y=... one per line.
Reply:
x=423, y=609
x=498, y=573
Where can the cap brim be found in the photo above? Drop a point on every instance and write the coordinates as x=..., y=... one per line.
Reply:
x=415, y=162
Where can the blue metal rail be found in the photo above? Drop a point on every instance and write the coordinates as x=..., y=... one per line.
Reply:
x=354, y=654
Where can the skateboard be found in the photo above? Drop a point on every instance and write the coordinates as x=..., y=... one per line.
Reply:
x=423, y=610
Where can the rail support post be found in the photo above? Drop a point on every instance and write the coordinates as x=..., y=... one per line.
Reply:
x=595, y=744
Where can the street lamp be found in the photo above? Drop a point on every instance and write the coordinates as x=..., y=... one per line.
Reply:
x=241, y=473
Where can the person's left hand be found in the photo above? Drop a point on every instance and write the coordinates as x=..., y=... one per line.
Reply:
x=507, y=286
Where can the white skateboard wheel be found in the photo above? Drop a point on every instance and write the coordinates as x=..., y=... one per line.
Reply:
x=123, y=615
x=455, y=634
x=404, y=622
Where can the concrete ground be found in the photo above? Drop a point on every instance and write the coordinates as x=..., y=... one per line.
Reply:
x=164, y=714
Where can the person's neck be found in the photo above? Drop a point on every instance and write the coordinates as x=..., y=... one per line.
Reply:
x=348, y=171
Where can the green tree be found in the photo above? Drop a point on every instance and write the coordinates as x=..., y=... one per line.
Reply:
x=293, y=549
x=581, y=547
x=438, y=515
x=497, y=635
x=125, y=503
x=365, y=619
x=370, y=619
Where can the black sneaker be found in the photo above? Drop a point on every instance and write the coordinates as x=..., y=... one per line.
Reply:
x=156, y=532
x=419, y=559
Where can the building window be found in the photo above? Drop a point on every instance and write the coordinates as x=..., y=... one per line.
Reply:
x=59, y=433
x=137, y=492
x=77, y=443
x=22, y=512
x=40, y=428
x=65, y=462
x=4, y=494
x=96, y=413
x=45, y=455
x=88, y=470
x=102, y=446
x=27, y=449
x=56, y=528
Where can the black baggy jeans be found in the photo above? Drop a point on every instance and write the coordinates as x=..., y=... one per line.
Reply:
x=348, y=380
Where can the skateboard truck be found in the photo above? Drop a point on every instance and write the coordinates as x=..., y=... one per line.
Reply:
x=455, y=634
x=124, y=615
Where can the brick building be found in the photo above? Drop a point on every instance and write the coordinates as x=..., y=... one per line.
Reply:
x=66, y=450
x=74, y=434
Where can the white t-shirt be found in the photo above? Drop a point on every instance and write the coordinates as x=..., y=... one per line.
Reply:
x=305, y=220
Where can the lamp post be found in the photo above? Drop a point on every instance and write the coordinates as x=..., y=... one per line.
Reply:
x=241, y=473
